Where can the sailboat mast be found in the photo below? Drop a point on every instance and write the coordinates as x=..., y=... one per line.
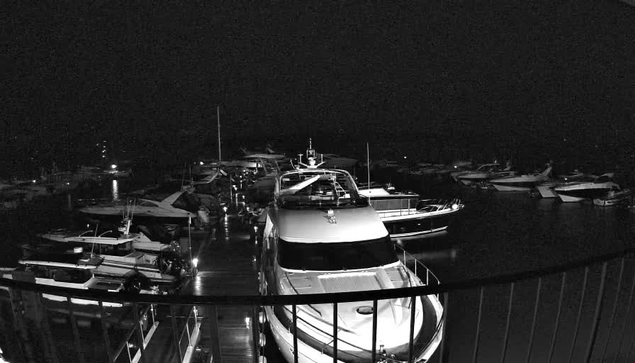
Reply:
x=368, y=163
x=218, y=121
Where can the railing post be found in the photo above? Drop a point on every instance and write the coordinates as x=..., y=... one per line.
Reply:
x=478, y=325
x=374, y=339
x=555, y=328
x=533, y=321
x=135, y=312
x=294, y=313
x=445, y=325
x=73, y=321
x=413, y=308
x=628, y=312
x=579, y=317
x=617, y=296
x=104, y=331
x=335, y=332
x=175, y=334
x=214, y=335
x=596, y=315
x=509, y=314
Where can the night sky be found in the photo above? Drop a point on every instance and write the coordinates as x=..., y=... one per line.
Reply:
x=429, y=79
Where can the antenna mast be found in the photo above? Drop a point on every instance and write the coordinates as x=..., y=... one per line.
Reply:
x=218, y=121
x=368, y=163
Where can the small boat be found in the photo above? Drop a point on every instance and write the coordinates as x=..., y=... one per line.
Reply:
x=615, y=197
x=176, y=206
x=521, y=183
x=139, y=240
x=581, y=190
x=407, y=215
x=485, y=173
x=546, y=187
x=322, y=236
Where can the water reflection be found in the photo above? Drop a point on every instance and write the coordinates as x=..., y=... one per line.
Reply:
x=115, y=189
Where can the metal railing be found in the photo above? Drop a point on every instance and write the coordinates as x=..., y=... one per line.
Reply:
x=576, y=312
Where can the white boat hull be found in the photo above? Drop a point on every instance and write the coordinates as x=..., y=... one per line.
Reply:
x=546, y=191
x=510, y=188
x=570, y=199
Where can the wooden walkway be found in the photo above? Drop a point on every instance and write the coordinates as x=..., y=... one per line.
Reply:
x=226, y=267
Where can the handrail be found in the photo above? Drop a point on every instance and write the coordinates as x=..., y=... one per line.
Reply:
x=407, y=256
x=270, y=300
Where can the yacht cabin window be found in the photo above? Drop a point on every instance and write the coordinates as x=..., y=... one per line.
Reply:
x=336, y=256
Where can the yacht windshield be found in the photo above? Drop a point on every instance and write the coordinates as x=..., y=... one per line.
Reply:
x=336, y=256
x=319, y=188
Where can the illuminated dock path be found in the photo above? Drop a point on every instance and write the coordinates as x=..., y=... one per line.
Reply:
x=227, y=266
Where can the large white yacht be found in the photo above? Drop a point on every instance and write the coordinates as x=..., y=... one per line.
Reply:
x=322, y=236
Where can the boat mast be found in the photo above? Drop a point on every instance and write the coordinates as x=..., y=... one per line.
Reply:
x=368, y=164
x=218, y=121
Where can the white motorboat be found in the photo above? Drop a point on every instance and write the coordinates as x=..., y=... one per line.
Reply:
x=139, y=240
x=75, y=271
x=521, y=183
x=120, y=258
x=546, y=187
x=406, y=215
x=485, y=173
x=581, y=190
x=172, y=207
x=322, y=236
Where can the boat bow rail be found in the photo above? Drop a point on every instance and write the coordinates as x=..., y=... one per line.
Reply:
x=604, y=318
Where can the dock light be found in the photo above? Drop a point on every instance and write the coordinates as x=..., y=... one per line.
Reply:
x=113, y=166
x=195, y=262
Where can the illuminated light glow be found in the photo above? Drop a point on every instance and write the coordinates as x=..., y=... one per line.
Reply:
x=115, y=189
x=247, y=322
x=201, y=163
x=113, y=166
x=225, y=209
x=195, y=262
x=455, y=206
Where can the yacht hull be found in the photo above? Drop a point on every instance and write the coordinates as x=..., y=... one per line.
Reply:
x=308, y=353
x=511, y=187
x=578, y=194
x=416, y=226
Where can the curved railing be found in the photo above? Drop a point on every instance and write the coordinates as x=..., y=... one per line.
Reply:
x=600, y=321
